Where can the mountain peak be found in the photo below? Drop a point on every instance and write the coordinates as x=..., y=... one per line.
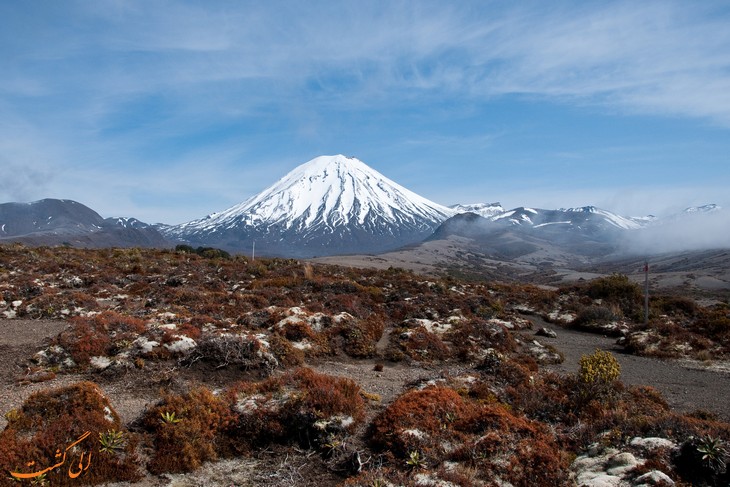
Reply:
x=582, y=209
x=335, y=190
x=322, y=163
x=337, y=201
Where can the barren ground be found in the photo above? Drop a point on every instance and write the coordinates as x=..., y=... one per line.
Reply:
x=686, y=387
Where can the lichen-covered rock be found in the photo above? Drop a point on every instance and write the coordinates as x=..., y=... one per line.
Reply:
x=546, y=332
x=655, y=477
x=650, y=444
x=100, y=362
x=54, y=356
x=181, y=345
x=541, y=353
x=614, y=468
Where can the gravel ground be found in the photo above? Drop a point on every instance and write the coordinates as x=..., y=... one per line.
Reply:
x=686, y=386
x=19, y=340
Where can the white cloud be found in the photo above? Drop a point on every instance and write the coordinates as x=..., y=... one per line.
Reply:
x=691, y=232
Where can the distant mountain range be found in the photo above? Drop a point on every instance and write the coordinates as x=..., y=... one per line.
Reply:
x=58, y=222
x=336, y=205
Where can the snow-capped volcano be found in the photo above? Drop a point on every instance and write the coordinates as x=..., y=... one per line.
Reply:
x=331, y=204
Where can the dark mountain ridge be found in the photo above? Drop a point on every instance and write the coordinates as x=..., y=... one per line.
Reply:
x=55, y=222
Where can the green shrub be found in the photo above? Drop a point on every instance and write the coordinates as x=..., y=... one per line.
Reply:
x=595, y=314
x=619, y=290
x=185, y=249
x=599, y=368
x=614, y=287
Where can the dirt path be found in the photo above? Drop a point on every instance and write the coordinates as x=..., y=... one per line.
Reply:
x=685, y=388
x=19, y=340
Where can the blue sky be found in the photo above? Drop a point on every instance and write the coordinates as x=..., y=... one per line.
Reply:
x=167, y=111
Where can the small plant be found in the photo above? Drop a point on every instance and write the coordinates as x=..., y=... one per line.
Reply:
x=111, y=441
x=42, y=479
x=714, y=453
x=169, y=417
x=12, y=415
x=416, y=460
x=599, y=368
x=703, y=461
x=331, y=445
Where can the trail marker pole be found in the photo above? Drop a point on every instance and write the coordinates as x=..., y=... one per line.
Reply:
x=253, y=245
x=646, y=292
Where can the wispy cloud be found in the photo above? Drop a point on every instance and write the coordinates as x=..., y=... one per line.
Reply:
x=653, y=56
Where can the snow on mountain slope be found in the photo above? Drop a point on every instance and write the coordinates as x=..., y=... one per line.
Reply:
x=331, y=203
x=125, y=222
x=333, y=190
x=709, y=208
x=538, y=218
x=487, y=210
x=612, y=218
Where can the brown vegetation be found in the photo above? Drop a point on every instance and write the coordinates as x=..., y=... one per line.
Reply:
x=71, y=422
x=502, y=420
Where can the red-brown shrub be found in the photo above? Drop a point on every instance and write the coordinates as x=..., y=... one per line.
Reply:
x=415, y=421
x=360, y=336
x=301, y=405
x=54, y=420
x=90, y=337
x=419, y=344
x=186, y=429
x=511, y=448
x=441, y=425
x=472, y=337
